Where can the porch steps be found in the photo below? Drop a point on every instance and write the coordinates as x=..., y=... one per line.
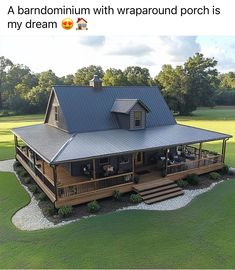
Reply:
x=156, y=191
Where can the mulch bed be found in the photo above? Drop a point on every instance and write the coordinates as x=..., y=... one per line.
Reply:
x=205, y=181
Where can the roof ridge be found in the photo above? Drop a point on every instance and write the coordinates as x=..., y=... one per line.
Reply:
x=63, y=147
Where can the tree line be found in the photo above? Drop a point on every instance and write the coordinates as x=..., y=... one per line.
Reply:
x=185, y=87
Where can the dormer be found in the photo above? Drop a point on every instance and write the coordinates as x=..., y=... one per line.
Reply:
x=130, y=113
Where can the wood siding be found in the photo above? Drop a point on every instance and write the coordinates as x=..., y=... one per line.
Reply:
x=138, y=108
x=51, y=115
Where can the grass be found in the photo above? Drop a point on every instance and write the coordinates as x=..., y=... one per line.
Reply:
x=220, y=119
x=6, y=137
x=200, y=235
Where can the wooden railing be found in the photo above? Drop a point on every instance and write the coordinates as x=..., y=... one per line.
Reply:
x=36, y=170
x=93, y=185
x=197, y=163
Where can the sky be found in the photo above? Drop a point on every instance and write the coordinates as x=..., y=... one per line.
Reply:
x=66, y=55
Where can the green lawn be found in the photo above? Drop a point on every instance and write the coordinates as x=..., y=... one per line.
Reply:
x=221, y=119
x=6, y=137
x=200, y=235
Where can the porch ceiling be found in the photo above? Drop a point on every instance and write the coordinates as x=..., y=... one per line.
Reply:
x=57, y=146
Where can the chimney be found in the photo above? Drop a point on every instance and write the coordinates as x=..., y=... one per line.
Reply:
x=96, y=82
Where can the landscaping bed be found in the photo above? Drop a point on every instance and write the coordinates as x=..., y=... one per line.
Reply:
x=108, y=205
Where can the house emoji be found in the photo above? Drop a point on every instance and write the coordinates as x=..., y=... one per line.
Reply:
x=81, y=24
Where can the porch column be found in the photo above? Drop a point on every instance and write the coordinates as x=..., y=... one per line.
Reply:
x=16, y=143
x=133, y=164
x=166, y=160
x=200, y=154
x=94, y=169
x=34, y=163
x=223, y=150
x=43, y=167
x=54, y=171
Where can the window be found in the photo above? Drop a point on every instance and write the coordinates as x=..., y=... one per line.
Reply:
x=137, y=118
x=56, y=113
x=123, y=159
x=104, y=161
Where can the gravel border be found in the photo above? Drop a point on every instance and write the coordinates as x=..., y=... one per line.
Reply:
x=31, y=218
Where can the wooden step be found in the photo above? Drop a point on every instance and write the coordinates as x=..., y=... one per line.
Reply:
x=164, y=197
x=149, y=191
x=161, y=193
x=152, y=184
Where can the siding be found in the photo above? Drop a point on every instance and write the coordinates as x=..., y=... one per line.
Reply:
x=123, y=120
x=51, y=118
x=139, y=108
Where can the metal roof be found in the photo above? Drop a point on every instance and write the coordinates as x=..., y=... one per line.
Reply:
x=45, y=140
x=57, y=146
x=125, y=105
x=87, y=109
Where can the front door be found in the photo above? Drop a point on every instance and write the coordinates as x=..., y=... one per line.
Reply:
x=139, y=158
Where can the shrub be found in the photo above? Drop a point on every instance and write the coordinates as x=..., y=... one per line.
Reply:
x=225, y=169
x=27, y=179
x=136, y=179
x=22, y=173
x=17, y=164
x=215, y=176
x=135, y=198
x=33, y=188
x=117, y=195
x=65, y=211
x=182, y=183
x=51, y=209
x=42, y=196
x=192, y=179
x=93, y=207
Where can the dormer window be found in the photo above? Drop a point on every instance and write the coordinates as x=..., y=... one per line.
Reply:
x=56, y=113
x=138, y=118
x=130, y=113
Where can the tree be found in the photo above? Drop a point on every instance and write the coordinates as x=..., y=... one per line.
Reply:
x=85, y=74
x=227, y=81
x=38, y=95
x=114, y=77
x=137, y=76
x=191, y=85
x=5, y=64
x=202, y=79
x=67, y=80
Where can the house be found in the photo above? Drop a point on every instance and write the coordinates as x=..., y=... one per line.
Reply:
x=81, y=24
x=97, y=139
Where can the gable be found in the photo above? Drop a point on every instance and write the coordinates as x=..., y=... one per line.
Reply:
x=85, y=109
x=50, y=114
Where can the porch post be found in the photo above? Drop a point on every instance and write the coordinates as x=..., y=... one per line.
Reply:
x=133, y=164
x=200, y=154
x=223, y=150
x=166, y=160
x=16, y=143
x=54, y=171
x=94, y=169
x=43, y=167
x=34, y=162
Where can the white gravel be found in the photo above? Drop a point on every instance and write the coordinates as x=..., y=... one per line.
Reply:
x=174, y=203
x=7, y=165
x=31, y=218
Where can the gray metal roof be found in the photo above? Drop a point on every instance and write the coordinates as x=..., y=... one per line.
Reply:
x=86, y=109
x=57, y=146
x=43, y=139
x=125, y=105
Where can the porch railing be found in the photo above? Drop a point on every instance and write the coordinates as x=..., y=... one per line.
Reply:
x=93, y=185
x=197, y=163
x=36, y=170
